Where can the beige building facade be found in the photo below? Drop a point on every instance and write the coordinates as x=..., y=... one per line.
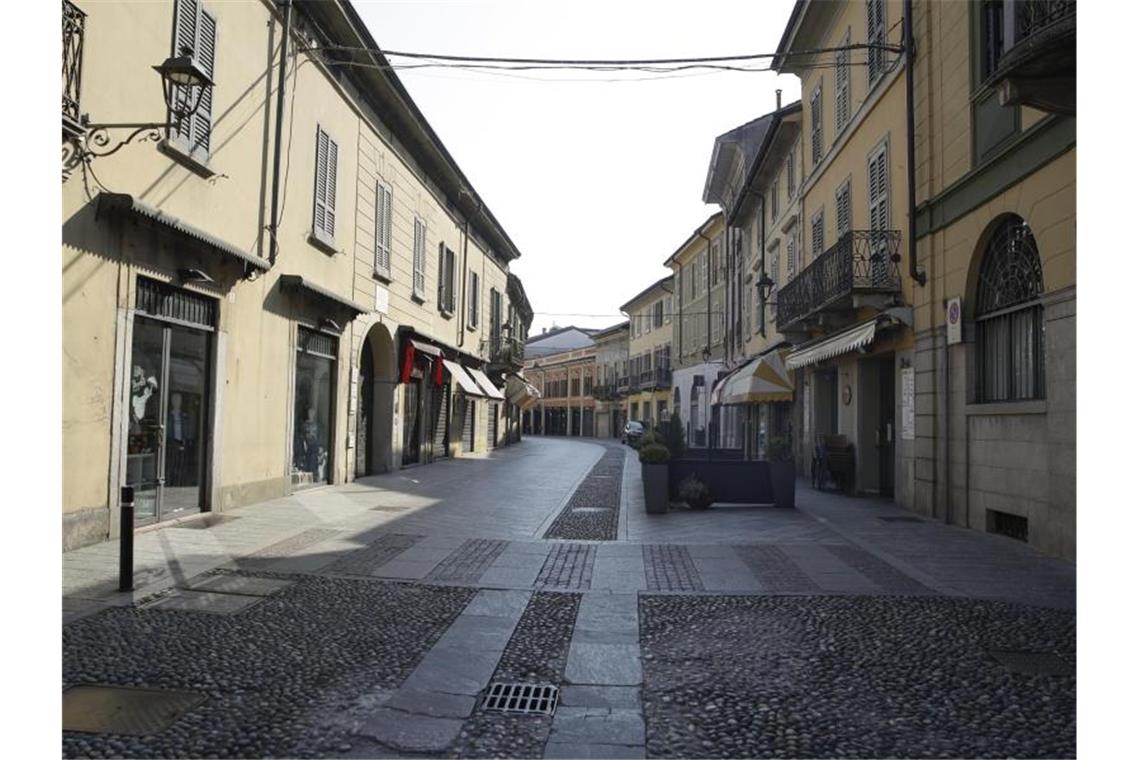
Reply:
x=566, y=380
x=219, y=351
x=611, y=380
x=650, y=315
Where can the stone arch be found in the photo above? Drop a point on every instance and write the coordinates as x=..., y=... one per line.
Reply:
x=377, y=384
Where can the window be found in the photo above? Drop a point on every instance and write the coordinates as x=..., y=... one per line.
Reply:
x=774, y=203
x=791, y=255
x=776, y=264
x=817, y=125
x=790, y=170
x=746, y=309
x=691, y=273
x=879, y=189
x=843, y=209
x=759, y=301
x=587, y=385
x=817, y=234
x=876, y=35
x=659, y=314
x=993, y=124
x=993, y=36
x=197, y=30
x=716, y=262
x=445, y=295
x=703, y=275
x=472, y=299
x=383, y=266
x=575, y=387
x=843, y=84
x=1010, y=364
x=324, y=195
x=419, y=259
x=668, y=309
x=496, y=320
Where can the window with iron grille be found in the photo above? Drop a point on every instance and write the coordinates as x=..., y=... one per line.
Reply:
x=1010, y=359
x=324, y=195
x=195, y=30
x=843, y=209
x=817, y=125
x=384, y=231
x=445, y=295
x=817, y=234
x=419, y=259
x=876, y=35
x=843, y=84
x=473, y=299
x=73, y=23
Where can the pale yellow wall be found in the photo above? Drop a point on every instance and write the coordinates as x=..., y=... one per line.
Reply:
x=651, y=337
x=691, y=328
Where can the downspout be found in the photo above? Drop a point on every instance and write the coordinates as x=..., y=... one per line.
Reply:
x=273, y=219
x=912, y=228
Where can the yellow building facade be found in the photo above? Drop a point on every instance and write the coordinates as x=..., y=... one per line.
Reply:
x=219, y=351
x=650, y=315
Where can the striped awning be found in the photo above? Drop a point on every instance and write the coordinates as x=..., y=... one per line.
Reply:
x=521, y=393
x=862, y=334
x=485, y=383
x=466, y=382
x=765, y=378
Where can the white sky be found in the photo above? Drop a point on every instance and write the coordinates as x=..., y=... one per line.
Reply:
x=596, y=182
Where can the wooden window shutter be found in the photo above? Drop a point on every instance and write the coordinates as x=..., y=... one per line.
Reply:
x=320, y=196
x=843, y=210
x=204, y=53
x=875, y=36
x=330, y=189
x=817, y=125
x=817, y=234
x=842, y=84
x=419, y=259
x=439, y=293
x=383, y=230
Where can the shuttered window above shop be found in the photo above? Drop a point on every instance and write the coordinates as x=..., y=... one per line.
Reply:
x=843, y=84
x=817, y=125
x=419, y=259
x=843, y=209
x=197, y=31
x=383, y=231
x=324, y=195
x=876, y=36
x=817, y=234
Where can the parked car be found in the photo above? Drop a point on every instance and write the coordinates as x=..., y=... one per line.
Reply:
x=632, y=433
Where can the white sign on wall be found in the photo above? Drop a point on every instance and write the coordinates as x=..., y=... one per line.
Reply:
x=954, y=320
x=381, y=299
x=906, y=428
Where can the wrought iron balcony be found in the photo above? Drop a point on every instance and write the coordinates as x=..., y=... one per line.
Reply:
x=862, y=262
x=656, y=378
x=623, y=384
x=606, y=392
x=73, y=23
x=506, y=354
x=1038, y=63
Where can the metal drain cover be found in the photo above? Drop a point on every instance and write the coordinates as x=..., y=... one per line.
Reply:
x=901, y=519
x=124, y=710
x=1032, y=663
x=525, y=698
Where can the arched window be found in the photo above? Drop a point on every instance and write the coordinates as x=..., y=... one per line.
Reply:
x=1009, y=316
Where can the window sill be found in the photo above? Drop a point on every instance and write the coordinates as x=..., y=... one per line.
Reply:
x=446, y=314
x=992, y=408
x=382, y=277
x=472, y=328
x=319, y=240
x=419, y=298
x=195, y=163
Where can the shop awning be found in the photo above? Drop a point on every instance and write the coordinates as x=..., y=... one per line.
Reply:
x=466, y=382
x=850, y=339
x=299, y=284
x=425, y=348
x=763, y=379
x=485, y=383
x=521, y=393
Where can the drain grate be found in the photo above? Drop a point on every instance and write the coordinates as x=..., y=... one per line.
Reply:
x=123, y=710
x=525, y=698
x=1032, y=663
x=900, y=519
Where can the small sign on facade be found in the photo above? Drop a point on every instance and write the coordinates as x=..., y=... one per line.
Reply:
x=954, y=320
x=906, y=380
x=381, y=299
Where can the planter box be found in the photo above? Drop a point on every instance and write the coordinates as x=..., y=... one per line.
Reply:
x=655, y=481
x=783, y=477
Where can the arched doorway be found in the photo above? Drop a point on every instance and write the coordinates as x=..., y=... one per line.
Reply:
x=376, y=384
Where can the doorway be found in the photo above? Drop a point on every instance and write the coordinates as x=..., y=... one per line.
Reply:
x=313, y=407
x=886, y=433
x=168, y=408
x=366, y=417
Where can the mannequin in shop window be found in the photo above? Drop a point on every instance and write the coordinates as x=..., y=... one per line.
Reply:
x=144, y=387
x=311, y=454
x=180, y=437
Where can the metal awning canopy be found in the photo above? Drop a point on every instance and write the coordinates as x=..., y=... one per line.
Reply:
x=466, y=382
x=485, y=383
x=521, y=393
x=425, y=348
x=862, y=334
x=765, y=378
x=299, y=284
x=125, y=204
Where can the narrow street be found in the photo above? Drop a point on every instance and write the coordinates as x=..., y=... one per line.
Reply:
x=374, y=619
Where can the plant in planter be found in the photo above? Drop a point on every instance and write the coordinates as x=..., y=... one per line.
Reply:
x=695, y=493
x=782, y=470
x=655, y=477
x=674, y=437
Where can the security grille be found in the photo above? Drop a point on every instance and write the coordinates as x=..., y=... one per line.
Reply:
x=526, y=698
x=157, y=299
x=316, y=343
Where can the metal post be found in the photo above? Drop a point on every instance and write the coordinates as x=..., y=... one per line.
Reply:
x=127, y=538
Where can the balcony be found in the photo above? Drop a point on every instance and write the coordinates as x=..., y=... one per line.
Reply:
x=658, y=378
x=623, y=384
x=606, y=392
x=861, y=269
x=506, y=355
x=1038, y=63
x=73, y=23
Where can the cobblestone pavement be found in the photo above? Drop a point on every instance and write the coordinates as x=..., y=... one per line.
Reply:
x=853, y=677
x=591, y=514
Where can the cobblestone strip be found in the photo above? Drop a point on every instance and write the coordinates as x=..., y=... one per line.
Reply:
x=536, y=653
x=366, y=559
x=568, y=566
x=267, y=556
x=669, y=567
x=467, y=563
x=775, y=571
x=591, y=514
x=883, y=574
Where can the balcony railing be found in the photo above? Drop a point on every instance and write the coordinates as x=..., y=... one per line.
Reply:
x=623, y=384
x=1034, y=16
x=73, y=22
x=606, y=392
x=1038, y=62
x=658, y=377
x=507, y=352
x=863, y=261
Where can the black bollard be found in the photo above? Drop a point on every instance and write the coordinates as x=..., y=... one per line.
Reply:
x=127, y=539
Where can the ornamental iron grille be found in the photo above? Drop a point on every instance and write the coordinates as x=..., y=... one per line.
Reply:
x=1035, y=15
x=1010, y=317
x=861, y=261
x=73, y=24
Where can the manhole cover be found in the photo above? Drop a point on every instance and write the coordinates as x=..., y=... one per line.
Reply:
x=900, y=519
x=521, y=698
x=122, y=710
x=210, y=520
x=1032, y=663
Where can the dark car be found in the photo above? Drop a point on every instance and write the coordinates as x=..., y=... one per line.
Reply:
x=632, y=433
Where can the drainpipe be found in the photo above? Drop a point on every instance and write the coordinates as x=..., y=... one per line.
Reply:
x=908, y=45
x=273, y=221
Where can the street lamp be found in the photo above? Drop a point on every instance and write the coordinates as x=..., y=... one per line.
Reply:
x=766, y=284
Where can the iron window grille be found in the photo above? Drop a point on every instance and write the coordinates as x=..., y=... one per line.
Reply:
x=74, y=22
x=1010, y=361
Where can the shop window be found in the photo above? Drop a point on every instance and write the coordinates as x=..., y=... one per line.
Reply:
x=312, y=405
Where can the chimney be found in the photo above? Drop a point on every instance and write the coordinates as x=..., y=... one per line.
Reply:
x=778, y=93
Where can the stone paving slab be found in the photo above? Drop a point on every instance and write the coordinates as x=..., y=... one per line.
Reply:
x=613, y=697
x=405, y=569
x=598, y=725
x=603, y=664
x=405, y=731
x=237, y=584
x=828, y=571
x=202, y=601
x=573, y=751
x=436, y=704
